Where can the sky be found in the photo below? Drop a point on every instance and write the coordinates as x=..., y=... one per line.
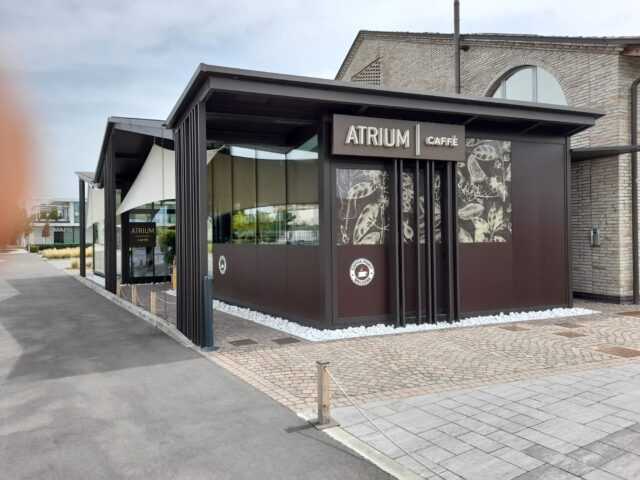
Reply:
x=75, y=63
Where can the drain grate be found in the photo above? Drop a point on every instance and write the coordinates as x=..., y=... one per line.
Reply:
x=285, y=340
x=570, y=334
x=243, y=343
x=567, y=325
x=620, y=351
x=514, y=328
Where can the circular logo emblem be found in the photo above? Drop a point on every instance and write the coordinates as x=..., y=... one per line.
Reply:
x=222, y=264
x=361, y=272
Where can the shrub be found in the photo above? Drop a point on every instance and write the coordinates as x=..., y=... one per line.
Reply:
x=56, y=253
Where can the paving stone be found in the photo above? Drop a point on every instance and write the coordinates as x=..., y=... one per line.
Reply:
x=451, y=444
x=478, y=465
x=434, y=454
x=547, y=472
x=570, y=432
x=626, y=439
x=595, y=458
x=406, y=440
x=508, y=439
x=480, y=441
x=518, y=458
x=416, y=420
x=600, y=475
x=626, y=466
x=453, y=429
x=546, y=440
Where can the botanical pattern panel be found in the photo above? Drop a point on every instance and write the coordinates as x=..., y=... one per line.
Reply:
x=363, y=204
x=408, y=207
x=483, y=192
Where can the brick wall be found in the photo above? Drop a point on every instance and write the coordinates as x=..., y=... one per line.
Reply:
x=591, y=76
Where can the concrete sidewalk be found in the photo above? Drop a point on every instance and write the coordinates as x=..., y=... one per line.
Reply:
x=89, y=391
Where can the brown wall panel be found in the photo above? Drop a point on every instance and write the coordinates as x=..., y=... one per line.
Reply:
x=275, y=279
x=372, y=300
x=531, y=270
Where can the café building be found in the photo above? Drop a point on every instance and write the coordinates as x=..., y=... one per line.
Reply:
x=334, y=204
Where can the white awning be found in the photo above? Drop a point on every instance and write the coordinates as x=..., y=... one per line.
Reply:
x=95, y=206
x=155, y=182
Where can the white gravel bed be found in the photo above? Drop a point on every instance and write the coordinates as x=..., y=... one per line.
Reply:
x=315, y=335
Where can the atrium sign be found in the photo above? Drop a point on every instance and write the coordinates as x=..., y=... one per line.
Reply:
x=382, y=137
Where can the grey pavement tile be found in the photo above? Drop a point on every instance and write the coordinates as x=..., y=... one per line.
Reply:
x=453, y=429
x=547, y=472
x=510, y=440
x=347, y=416
x=383, y=445
x=605, y=426
x=536, y=413
x=569, y=464
x=626, y=439
x=518, y=458
x=451, y=443
x=361, y=429
x=570, y=432
x=626, y=466
x=548, y=441
x=415, y=420
x=626, y=401
x=482, y=442
x=446, y=475
x=476, y=426
x=578, y=413
x=600, y=475
x=467, y=410
x=618, y=421
x=434, y=454
x=413, y=465
x=525, y=420
x=478, y=465
x=406, y=440
x=381, y=411
x=595, y=458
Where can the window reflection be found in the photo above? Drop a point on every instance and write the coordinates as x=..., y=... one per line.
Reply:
x=266, y=195
x=532, y=84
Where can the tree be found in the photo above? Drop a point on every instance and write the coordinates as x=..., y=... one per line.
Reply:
x=54, y=215
x=45, y=231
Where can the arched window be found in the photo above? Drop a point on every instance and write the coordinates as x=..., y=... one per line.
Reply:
x=531, y=84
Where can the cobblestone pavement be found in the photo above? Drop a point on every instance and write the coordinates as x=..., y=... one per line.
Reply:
x=570, y=426
x=406, y=365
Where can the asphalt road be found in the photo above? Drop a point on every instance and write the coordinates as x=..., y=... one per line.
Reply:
x=88, y=391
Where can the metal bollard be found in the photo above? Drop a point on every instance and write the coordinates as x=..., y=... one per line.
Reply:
x=324, y=395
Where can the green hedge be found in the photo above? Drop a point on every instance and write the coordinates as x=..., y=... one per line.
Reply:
x=36, y=247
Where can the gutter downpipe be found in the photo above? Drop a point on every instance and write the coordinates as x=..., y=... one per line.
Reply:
x=634, y=190
x=456, y=42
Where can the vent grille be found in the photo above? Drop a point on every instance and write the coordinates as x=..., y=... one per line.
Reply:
x=370, y=75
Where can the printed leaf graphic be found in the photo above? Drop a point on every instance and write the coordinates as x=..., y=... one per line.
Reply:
x=372, y=238
x=366, y=220
x=361, y=190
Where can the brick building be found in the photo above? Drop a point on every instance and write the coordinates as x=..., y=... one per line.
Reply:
x=581, y=72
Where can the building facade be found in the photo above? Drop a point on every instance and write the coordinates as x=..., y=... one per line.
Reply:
x=55, y=221
x=600, y=73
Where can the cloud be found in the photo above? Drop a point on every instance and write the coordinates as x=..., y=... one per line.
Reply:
x=78, y=62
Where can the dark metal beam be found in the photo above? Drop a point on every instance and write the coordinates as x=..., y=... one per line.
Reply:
x=83, y=222
x=271, y=120
x=110, y=232
x=634, y=191
x=456, y=44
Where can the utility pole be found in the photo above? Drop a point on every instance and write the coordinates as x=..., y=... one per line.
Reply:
x=456, y=43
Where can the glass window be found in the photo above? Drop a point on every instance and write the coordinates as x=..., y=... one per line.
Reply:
x=531, y=84
x=272, y=196
x=266, y=195
x=222, y=202
x=549, y=90
x=303, y=217
x=243, y=222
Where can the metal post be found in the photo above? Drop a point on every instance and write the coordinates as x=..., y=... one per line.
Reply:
x=456, y=43
x=634, y=191
x=153, y=302
x=324, y=394
x=83, y=226
x=207, y=297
